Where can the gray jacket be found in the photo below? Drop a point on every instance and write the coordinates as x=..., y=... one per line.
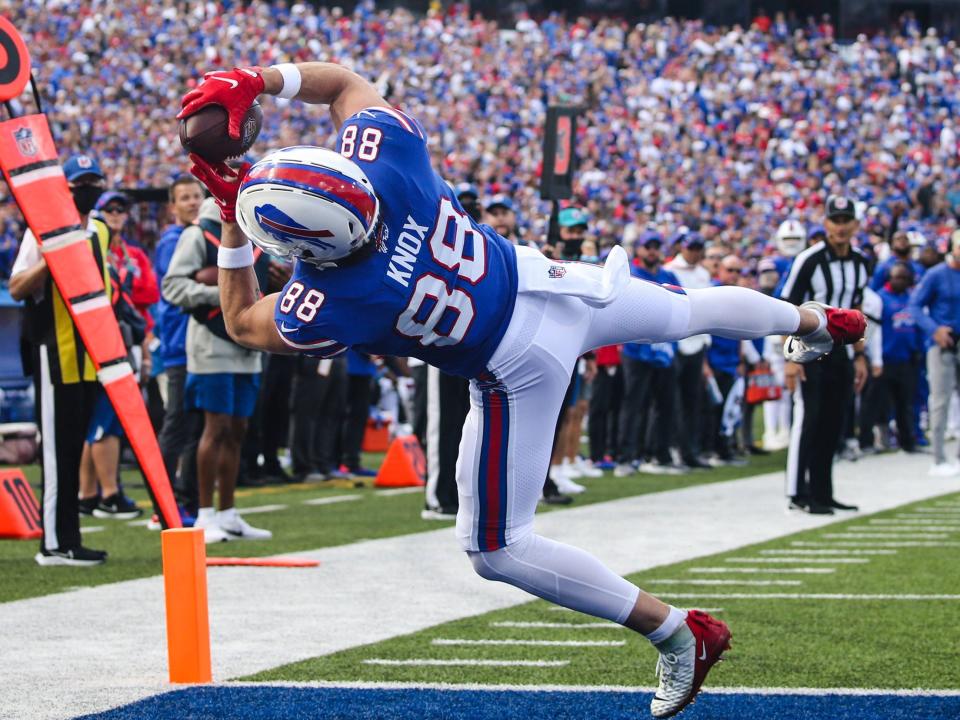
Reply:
x=206, y=353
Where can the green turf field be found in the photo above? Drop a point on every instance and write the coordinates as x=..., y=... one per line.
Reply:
x=363, y=513
x=883, y=627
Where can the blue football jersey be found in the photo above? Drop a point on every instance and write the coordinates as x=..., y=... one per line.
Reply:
x=440, y=287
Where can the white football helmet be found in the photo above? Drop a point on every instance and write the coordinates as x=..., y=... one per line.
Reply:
x=791, y=238
x=310, y=203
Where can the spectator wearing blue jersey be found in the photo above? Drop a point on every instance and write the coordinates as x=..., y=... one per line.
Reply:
x=902, y=351
x=180, y=430
x=935, y=305
x=900, y=252
x=649, y=379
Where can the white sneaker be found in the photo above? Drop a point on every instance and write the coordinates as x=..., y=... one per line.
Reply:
x=587, y=468
x=624, y=470
x=567, y=486
x=657, y=468
x=212, y=532
x=571, y=470
x=236, y=528
x=943, y=469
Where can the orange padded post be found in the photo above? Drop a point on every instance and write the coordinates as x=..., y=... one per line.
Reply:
x=185, y=585
x=19, y=509
x=404, y=465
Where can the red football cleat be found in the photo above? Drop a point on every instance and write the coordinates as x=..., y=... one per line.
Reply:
x=682, y=674
x=842, y=327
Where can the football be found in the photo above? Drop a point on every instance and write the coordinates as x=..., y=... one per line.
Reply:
x=205, y=133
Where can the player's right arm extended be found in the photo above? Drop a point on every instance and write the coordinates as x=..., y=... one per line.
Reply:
x=328, y=84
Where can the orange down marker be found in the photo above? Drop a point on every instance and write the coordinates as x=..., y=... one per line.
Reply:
x=404, y=465
x=188, y=626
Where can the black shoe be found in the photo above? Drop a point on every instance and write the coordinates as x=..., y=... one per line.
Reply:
x=88, y=505
x=118, y=506
x=76, y=557
x=696, y=463
x=556, y=499
x=438, y=513
x=836, y=505
x=809, y=507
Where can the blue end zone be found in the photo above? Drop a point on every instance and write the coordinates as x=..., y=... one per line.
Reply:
x=284, y=703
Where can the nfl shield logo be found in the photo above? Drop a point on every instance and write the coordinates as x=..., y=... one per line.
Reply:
x=25, y=142
x=556, y=271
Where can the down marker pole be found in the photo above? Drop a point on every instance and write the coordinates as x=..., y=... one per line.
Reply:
x=185, y=585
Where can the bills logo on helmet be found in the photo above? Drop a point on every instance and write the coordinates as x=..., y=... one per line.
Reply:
x=284, y=228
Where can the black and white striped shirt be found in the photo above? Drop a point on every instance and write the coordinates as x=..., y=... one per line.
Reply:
x=819, y=274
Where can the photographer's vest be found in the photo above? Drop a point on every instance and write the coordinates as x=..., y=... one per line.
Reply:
x=47, y=321
x=211, y=316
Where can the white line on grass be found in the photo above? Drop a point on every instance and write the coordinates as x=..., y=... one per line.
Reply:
x=458, y=687
x=805, y=596
x=260, y=509
x=896, y=529
x=332, y=499
x=557, y=625
x=91, y=529
x=723, y=582
x=886, y=536
x=466, y=661
x=875, y=543
x=936, y=510
x=794, y=551
x=912, y=522
x=825, y=560
x=398, y=491
x=772, y=571
x=537, y=643
x=946, y=517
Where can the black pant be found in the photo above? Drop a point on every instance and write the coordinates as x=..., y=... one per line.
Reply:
x=690, y=390
x=448, y=402
x=656, y=426
x=899, y=382
x=637, y=377
x=359, y=393
x=268, y=427
x=319, y=402
x=419, y=421
x=604, y=424
x=63, y=414
x=722, y=444
x=825, y=395
x=179, y=435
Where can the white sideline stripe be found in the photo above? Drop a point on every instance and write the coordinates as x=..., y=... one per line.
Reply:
x=946, y=517
x=469, y=662
x=807, y=596
x=912, y=522
x=724, y=582
x=936, y=510
x=260, y=509
x=459, y=687
x=772, y=571
x=874, y=543
x=398, y=491
x=332, y=500
x=894, y=529
x=886, y=536
x=825, y=560
x=92, y=529
x=557, y=625
x=948, y=504
x=794, y=551
x=538, y=643
x=35, y=175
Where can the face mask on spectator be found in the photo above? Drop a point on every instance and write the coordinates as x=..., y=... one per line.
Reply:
x=85, y=197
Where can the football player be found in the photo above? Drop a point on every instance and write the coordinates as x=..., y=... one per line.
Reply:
x=390, y=264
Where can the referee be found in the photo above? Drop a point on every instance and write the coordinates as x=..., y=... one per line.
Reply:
x=834, y=273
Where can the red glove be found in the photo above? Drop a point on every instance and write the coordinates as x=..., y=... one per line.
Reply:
x=222, y=181
x=234, y=90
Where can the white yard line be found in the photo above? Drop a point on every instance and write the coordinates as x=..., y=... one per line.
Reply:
x=542, y=625
x=91, y=529
x=466, y=662
x=825, y=560
x=954, y=513
x=723, y=582
x=912, y=522
x=806, y=596
x=895, y=530
x=772, y=571
x=533, y=643
x=874, y=543
x=826, y=551
x=886, y=536
x=398, y=491
x=261, y=509
x=332, y=500
x=370, y=591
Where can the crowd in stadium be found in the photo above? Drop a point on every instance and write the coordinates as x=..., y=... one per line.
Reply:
x=695, y=145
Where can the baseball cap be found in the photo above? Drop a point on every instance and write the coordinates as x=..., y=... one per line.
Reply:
x=77, y=166
x=650, y=237
x=840, y=206
x=692, y=240
x=112, y=196
x=466, y=188
x=573, y=216
x=499, y=200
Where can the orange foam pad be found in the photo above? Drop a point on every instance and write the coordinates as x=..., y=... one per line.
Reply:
x=404, y=465
x=185, y=586
x=260, y=562
x=19, y=509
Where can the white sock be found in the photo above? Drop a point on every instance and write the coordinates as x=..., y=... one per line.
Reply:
x=206, y=515
x=560, y=573
x=675, y=618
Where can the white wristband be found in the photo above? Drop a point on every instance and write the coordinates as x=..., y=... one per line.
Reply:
x=291, y=80
x=235, y=258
